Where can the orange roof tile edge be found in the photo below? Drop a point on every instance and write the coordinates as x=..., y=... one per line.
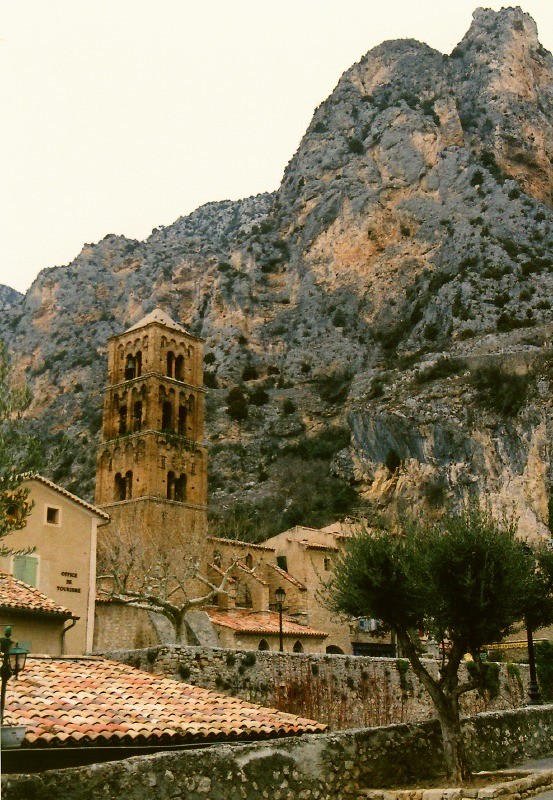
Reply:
x=87, y=701
x=30, y=476
x=287, y=577
x=239, y=543
x=253, y=622
x=19, y=596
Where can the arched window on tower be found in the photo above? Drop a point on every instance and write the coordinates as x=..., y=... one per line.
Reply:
x=119, y=487
x=138, y=367
x=130, y=367
x=137, y=416
x=128, y=485
x=171, y=485
x=122, y=420
x=179, y=368
x=170, y=364
x=180, y=488
x=167, y=416
x=182, y=420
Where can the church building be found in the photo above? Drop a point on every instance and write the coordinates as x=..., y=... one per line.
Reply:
x=152, y=464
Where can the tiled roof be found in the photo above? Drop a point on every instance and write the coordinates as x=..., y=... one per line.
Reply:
x=21, y=597
x=287, y=577
x=238, y=543
x=159, y=316
x=246, y=621
x=41, y=479
x=93, y=701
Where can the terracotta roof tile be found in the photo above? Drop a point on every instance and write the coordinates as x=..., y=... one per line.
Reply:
x=34, y=476
x=125, y=706
x=21, y=597
x=246, y=621
x=239, y=543
x=287, y=577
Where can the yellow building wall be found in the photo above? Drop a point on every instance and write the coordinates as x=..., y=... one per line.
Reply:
x=41, y=635
x=66, y=554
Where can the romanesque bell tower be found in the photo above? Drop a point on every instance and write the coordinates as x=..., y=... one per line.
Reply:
x=152, y=464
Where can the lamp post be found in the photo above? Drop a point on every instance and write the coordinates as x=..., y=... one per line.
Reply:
x=280, y=596
x=13, y=661
x=533, y=689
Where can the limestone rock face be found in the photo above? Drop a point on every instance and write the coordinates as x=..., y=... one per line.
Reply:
x=397, y=278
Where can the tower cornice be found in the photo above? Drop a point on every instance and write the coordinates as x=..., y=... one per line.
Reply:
x=158, y=376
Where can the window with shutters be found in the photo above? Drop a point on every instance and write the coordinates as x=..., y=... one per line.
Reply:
x=25, y=568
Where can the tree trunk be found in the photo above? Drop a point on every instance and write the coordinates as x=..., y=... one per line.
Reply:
x=455, y=756
x=447, y=708
x=180, y=630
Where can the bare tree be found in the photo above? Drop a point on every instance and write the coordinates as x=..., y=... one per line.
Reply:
x=160, y=577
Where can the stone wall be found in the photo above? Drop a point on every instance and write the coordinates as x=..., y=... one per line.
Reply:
x=343, y=691
x=322, y=767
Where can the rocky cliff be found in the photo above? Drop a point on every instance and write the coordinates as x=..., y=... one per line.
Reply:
x=379, y=328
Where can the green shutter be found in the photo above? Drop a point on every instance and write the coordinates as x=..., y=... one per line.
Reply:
x=25, y=569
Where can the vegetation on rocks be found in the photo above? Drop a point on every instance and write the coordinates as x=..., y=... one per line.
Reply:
x=413, y=226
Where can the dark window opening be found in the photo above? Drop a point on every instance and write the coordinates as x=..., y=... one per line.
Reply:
x=120, y=487
x=327, y=564
x=130, y=368
x=332, y=648
x=179, y=368
x=122, y=420
x=282, y=562
x=123, y=486
x=170, y=364
x=128, y=485
x=52, y=515
x=298, y=647
x=176, y=487
x=263, y=645
x=167, y=416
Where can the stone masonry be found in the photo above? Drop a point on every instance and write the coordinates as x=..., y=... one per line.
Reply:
x=343, y=691
x=321, y=767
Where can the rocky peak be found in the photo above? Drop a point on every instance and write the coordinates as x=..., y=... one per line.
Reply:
x=358, y=317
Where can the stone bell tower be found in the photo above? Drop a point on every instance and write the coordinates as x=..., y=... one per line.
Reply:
x=152, y=465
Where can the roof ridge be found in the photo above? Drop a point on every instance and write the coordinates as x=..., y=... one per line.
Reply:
x=29, y=476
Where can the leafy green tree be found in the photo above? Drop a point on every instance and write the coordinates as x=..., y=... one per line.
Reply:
x=18, y=451
x=464, y=580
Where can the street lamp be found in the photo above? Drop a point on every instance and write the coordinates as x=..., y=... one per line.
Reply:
x=13, y=661
x=533, y=689
x=280, y=596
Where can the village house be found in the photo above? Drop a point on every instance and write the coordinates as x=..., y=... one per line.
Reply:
x=61, y=533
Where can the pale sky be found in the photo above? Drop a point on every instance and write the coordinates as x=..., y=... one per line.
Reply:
x=122, y=115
